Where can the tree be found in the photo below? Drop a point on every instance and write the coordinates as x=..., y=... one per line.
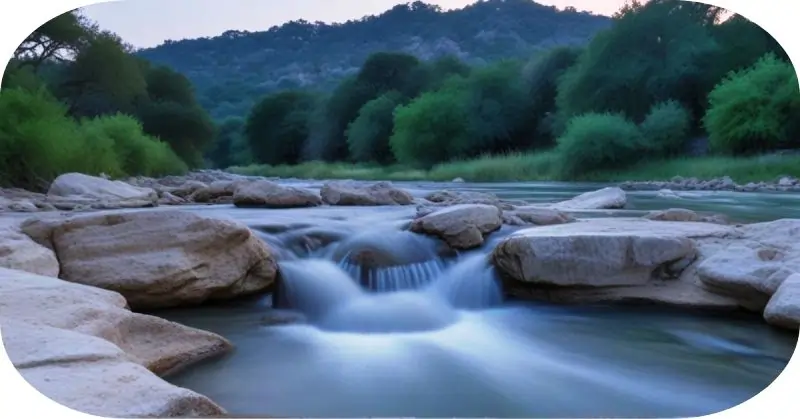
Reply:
x=167, y=85
x=368, y=135
x=277, y=127
x=222, y=154
x=57, y=39
x=187, y=129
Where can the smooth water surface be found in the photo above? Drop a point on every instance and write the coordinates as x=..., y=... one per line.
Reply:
x=395, y=326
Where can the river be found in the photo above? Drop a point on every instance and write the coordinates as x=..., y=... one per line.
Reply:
x=430, y=336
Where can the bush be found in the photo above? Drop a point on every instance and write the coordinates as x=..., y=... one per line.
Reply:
x=597, y=141
x=37, y=140
x=134, y=152
x=368, y=136
x=752, y=110
x=666, y=128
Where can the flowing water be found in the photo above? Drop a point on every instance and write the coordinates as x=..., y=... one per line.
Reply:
x=387, y=323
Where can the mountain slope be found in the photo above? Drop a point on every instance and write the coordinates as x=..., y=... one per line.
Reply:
x=232, y=70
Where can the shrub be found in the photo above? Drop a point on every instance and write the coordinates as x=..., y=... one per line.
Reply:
x=596, y=141
x=666, y=127
x=752, y=110
x=277, y=127
x=37, y=140
x=368, y=136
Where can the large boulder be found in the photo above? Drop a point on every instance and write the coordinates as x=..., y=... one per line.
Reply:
x=18, y=251
x=462, y=227
x=72, y=189
x=752, y=267
x=356, y=194
x=81, y=347
x=599, y=252
x=606, y=198
x=783, y=308
x=263, y=193
x=158, y=258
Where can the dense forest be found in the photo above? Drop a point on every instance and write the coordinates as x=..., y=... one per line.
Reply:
x=657, y=77
x=233, y=70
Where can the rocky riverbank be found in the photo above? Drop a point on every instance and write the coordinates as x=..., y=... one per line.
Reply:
x=782, y=184
x=68, y=282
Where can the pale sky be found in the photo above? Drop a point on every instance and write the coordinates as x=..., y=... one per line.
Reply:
x=145, y=23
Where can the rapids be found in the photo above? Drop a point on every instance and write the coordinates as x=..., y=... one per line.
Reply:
x=395, y=325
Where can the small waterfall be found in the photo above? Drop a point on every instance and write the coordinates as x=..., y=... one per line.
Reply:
x=396, y=278
x=470, y=283
x=316, y=286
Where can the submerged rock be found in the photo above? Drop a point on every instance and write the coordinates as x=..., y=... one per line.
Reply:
x=263, y=193
x=461, y=226
x=355, y=194
x=81, y=347
x=160, y=258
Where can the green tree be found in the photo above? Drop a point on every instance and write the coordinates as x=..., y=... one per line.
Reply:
x=56, y=40
x=600, y=141
x=277, y=127
x=368, y=135
x=229, y=132
x=188, y=130
x=753, y=110
x=166, y=85
x=666, y=128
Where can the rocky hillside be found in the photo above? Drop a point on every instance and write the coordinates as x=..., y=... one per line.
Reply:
x=231, y=70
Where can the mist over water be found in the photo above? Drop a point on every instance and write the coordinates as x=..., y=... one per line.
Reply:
x=396, y=326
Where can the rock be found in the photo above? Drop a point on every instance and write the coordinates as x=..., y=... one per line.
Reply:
x=110, y=194
x=727, y=183
x=536, y=216
x=213, y=191
x=458, y=180
x=607, y=198
x=263, y=193
x=667, y=194
x=598, y=252
x=783, y=309
x=184, y=190
x=158, y=258
x=450, y=198
x=81, y=347
x=752, y=267
x=674, y=214
x=787, y=181
x=170, y=199
x=18, y=251
x=461, y=226
x=354, y=194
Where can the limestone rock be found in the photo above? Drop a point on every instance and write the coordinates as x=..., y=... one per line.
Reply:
x=783, y=308
x=685, y=215
x=112, y=194
x=450, y=198
x=79, y=346
x=170, y=199
x=263, y=193
x=355, y=194
x=18, y=251
x=536, y=216
x=461, y=226
x=606, y=198
x=158, y=258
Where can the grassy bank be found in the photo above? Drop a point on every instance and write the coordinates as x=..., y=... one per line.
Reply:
x=542, y=167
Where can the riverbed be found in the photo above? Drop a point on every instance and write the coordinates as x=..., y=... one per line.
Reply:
x=430, y=335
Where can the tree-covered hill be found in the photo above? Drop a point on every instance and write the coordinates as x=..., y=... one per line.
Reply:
x=231, y=71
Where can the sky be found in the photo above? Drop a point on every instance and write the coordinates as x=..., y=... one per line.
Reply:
x=146, y=23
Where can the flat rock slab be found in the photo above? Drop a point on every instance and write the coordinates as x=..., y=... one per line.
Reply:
x=18, y=251
x=606, y=198
x=783, y=308
x=599, y=252
x=81, y=347
x=355, y=194
x=158, y=259
x=266, y=194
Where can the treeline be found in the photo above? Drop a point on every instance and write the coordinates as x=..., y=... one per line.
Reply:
x=662, y=74
x=74, y=98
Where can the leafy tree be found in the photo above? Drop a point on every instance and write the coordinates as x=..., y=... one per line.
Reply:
x=650, y=54
x=188, y=130
x=56, y=40
x=368, y=135
x=666, y=128
x=166, y=85
x=754, y=109
x=277, y=127
x=222, y=154
x=330, y=119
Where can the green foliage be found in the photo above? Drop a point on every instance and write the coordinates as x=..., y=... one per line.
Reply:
x=599, y=141
x=330, y=119
x=368, y=135
x=166, y=85
x=188, y=130
x=753, y=110
x=666, y=128
x=277, y=127
x=650, y=54
x=229, y=136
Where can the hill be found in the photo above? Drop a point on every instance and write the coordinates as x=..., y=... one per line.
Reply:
x=234, y=69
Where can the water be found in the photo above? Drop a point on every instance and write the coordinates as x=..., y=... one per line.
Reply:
x=394, y=325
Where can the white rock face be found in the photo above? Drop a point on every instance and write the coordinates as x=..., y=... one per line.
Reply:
x=90, y=188
x=606, y=198
x=18, y=251
x=81, y=347
x=783, y=308
x=158, y=259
